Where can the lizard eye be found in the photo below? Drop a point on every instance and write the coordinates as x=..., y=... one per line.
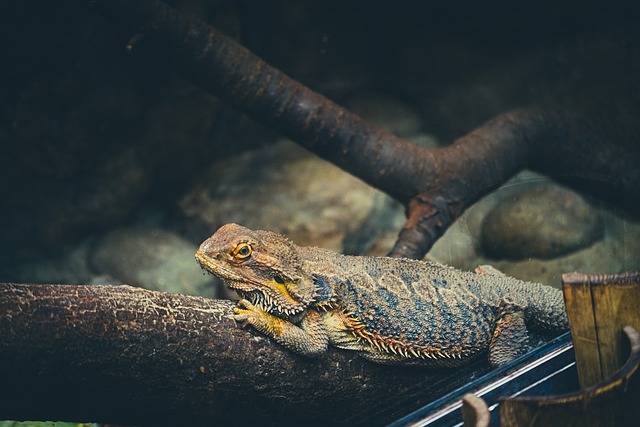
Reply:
x=242, y=251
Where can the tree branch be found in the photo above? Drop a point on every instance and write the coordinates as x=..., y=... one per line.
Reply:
x=436, y=185
x=126, y=355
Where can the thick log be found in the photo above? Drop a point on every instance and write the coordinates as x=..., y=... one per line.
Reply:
x=126, y=355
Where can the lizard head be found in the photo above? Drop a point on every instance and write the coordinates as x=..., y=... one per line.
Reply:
x=261, y=266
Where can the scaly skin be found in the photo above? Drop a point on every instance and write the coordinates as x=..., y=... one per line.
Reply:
x=390, y=310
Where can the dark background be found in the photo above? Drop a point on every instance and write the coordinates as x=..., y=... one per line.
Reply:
x=93, y=135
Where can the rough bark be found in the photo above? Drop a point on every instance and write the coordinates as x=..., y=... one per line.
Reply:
x=436, y=185
x=126, y=355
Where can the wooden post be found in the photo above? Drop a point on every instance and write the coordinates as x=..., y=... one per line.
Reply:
x=598, y=307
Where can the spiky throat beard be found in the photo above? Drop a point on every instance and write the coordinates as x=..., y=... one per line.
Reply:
x=266, y=302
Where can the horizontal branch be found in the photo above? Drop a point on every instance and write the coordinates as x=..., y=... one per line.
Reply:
x=131, y=356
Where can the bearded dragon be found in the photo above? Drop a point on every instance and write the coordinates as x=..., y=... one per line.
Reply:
x=389, y=310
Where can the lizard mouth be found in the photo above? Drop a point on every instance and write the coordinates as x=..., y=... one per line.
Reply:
x=268, y=295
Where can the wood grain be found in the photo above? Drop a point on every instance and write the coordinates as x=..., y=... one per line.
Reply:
x=599, y=307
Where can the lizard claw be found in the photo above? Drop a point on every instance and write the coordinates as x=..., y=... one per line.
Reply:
x=244, y=312
x=245, y=304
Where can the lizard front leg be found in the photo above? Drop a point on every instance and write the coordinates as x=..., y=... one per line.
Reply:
x=308, y=338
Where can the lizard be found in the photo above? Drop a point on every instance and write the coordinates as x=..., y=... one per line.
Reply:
x=390, y=310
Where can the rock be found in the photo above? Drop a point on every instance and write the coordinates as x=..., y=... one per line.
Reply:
x=616, y=252
x=152, y=258
x=461, y=245
x=69, y=266
x=282, y=188
x=386, y=215
x=455, y=247
x=542, y=222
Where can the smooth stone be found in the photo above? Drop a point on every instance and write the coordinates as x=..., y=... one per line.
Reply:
x=285, y=189
x=69, y=267
x=455, y=247
x=616, y=252
x=152, y=258
x=544, y=221
x=386, y=215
